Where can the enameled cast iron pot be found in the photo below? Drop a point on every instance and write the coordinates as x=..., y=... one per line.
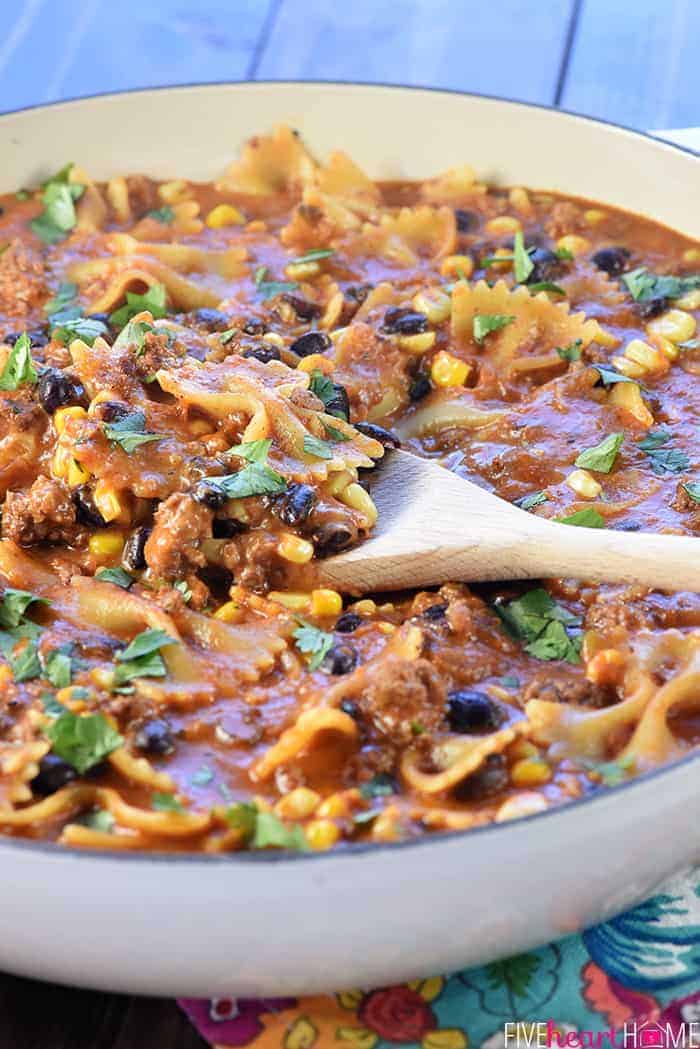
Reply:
x=274, y=924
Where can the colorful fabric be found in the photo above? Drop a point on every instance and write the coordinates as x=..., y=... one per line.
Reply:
x=634, y=982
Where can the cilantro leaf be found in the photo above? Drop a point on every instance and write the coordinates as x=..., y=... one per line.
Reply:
x=692, y=490
x=115, y=575
x=564, y=253
x=85, y=328
x=546, y=285
x=14, y=605
x=653, y=440
x=24, y=664
x=484, y=323
x=601, y=457
x=52, y=708
x=165, y=803
x=334, y=433
x=663, y=459
x=588, y=518
x=154, y=300
x=164, y=214
x=129, y=432
x=19, y=366
x=312, y=642
x=528, y=502
x=184, y=589
x=58, y=668
x=267, y=289
x=142, y=658
x=58, y=217
x=610, y=375
x=242, y=816
x=133, y=335
x=226, y=336
x=540, y=623
x=522, y=263
x=572, y=352
x=379, y=786
x=315, y=446
x=98, y=819
x=65, y=297
x=611, y=773
x=82, y=741
x=644, y=285
x=328, y=392
x=253, y=451
x=254, y=479
x=271, y=833
x=315, y=255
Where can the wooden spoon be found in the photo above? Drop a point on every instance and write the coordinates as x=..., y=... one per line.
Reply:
x=434, y=526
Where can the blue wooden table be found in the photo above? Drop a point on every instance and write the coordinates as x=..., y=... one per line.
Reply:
x=632, y=61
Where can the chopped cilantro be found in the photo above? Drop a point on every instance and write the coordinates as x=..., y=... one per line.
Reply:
x=19, y=366
x=253, y=451
x=14, y=605
x=164, y=214
x=315, y=446
x=85, y=328
x=315, y=255
x=142, y=658
x=312, y=642
x=653, y=440
x=242, y=816
x=267, y=289
x=546, y=285
x=588, y=518
x=644, y=286
x=58, y=217
x=610, y=375
x=522, y=263
x=183, y=588
x=98, y=819
x=601, y=457
x=510, y=681
x=611, y=773
x=263, y=830
x=64, y=299
x=129, y=432
x=327, y=392
x=572, y=352
x=154, y=300
x=379, y=786
x=564, y=254
x=82, y=741
x=58, y=667
x=484, y=323
x=529, y=502
x=22, y=194
x=165, y=803
x=202, y=776
x=133, y=335
x=24, y=664
x=541, y=624
x=692, y=490
x=254, y=479
x=663, y=459
x=52, y=708
x=115, y=575
x=226, y=336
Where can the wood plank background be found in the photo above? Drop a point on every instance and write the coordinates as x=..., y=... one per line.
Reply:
x=632, y=61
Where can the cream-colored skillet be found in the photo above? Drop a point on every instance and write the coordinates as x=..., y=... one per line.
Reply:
x=264, y=923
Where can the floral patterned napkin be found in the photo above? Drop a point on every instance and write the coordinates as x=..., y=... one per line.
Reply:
x=631, y=983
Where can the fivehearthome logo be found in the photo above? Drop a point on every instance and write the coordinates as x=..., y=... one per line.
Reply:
x=636, y=1034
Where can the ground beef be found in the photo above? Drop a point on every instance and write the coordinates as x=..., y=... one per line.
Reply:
x=564, y=217
x=43, y=513
x=405, y=698
x=574, y=690
x=157, y=352
x=253, y=561
x=626, y=610
x=142, y=194
x=179, y=526
x=22, y=284
x=683, y=503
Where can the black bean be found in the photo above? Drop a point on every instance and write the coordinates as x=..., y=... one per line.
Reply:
x=434, y=612
x=254, y=326
x=349, y=707
x=628, y=526
x=85, y=510
x=305, y=310
x=467, y=221
x=297, y=503
x=339, y=402
x=37, y=338
x=55, y=390
x=472, y=711
x=420, y=388
x=212, y=320
x=263, y=353
x=612, y=260
x=227, y=527
x=133, y=556
x=340, y=659
x=358, y=292
x=112, y=411
x=402, y=320
x=348, y=623
x=311, y=342
x=378, y=433
x=53, y=774
x=653, y=307
x=207, y=493
x=546, y=266
x=331, y=538
x=490, y=779
x=155, y=737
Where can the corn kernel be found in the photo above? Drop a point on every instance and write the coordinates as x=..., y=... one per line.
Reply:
x=629, y=368
x=447, y=370
x=326, y=603
x=573, y=243
x=224, y=215
x=365, y=607
x=525, y=804
x=676, y=325
x=63, y=414
x=102, y=677
x=520, y=199
x=668, y=348
x=358, y=499
x=386, y=826
x=647, y=357
x=628, y=397
x=107, y=501
x=315, y=362
x=691, y=255
x=106, y=545
x=386, y=628
x=77, y=474
x=419, y=343
x=274, y=338
x=434, y=303
x=5, y=675
x=198, y=427
x=298, y=551
x=294, y=600
x=503, y=224
x=457, y=266
x=522, y=748
x=321, y=834
x=333, y=807
x=60, y=461
x=593, y=217
x=584, y=484
x=606, y=667
x=530, y=772
x=689, y=301
x=298, y=804
x=174, y=192
x=302, y=270
x=230, y=612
